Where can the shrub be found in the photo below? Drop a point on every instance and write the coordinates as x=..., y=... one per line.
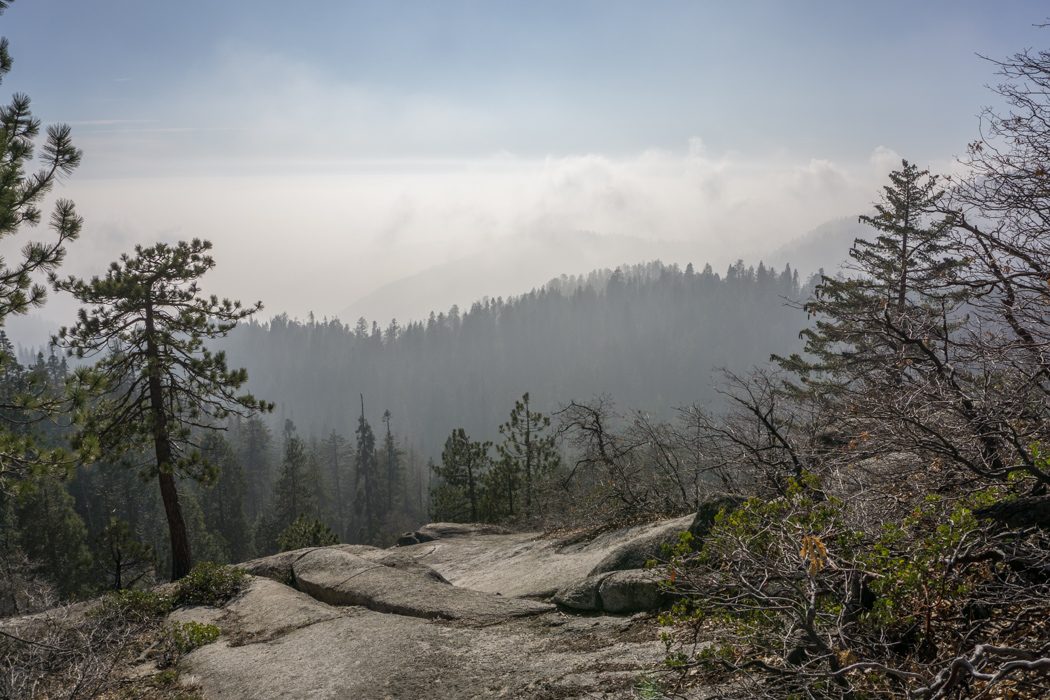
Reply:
x=132, y=605
x=209, y=584
x=795, y=587
x=180, y=638
x=306, y=532
x=186, y=636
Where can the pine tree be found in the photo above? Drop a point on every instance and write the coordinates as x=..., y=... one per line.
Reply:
x=254, y=441
x=367, y=486
x=292, y=492
x=52, y=535
x=305, y=532
x=223, y=501
x=334, y=458
x=23, y=192
x=463, y=462
x=124, y=559
x=392, y=458
x=148, y=316
x=527, y=454
x=897, y=303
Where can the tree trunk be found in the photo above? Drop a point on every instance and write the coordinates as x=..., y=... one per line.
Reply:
x=902, y=289
x=181, y=558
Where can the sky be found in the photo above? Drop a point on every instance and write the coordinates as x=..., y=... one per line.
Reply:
x=329, y=148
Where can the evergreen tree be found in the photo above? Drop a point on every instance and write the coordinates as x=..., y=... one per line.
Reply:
x=52, y=535
x=149, y=316
x=208, y=544
x=392, y=466
x=500, y=487
x=22, y=587
x=463, y=462
x=254, y=442
x=367, y=486
x=527, y=454
x=910, y=255
x=124, y=559
x=898, y=303
x=23, y=191
x=305, y=532
x=334, y=458
x=223, y=501
x=292, y=492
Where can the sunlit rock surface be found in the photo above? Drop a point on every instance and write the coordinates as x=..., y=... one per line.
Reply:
x=469, y=612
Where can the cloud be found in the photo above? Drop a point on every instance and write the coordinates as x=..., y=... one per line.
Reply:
x=316, y=241
x=317, y=190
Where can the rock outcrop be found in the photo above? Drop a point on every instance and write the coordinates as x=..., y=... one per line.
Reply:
x=339, y=578
x=529, y=565
x=280, y=643
x=459, y=611
x=455, y=611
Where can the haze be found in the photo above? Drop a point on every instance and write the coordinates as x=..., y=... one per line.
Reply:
x=333, y=149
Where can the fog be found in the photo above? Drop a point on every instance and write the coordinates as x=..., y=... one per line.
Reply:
x=333, y=243
x=336, y=157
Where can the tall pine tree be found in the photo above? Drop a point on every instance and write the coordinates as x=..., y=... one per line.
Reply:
x=527, y=454
x=147, y=322
x=897, y=303
x=367, y=479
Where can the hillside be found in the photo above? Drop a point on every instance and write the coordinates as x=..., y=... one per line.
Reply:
x=650, y=335
x=824, y=248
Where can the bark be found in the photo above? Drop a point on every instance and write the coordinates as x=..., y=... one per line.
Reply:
x=181, y=557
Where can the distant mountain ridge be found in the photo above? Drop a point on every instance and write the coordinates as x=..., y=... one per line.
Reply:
x=514, y=266
x=824, y=248
x=651, y=336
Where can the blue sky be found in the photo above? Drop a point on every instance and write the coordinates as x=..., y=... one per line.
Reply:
x=825, y=79
x=424, y=129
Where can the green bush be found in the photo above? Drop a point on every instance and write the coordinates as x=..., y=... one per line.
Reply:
x=133, y=605
x=306, y=532
x=186, y=636
x=798, y=587
x=209, y=584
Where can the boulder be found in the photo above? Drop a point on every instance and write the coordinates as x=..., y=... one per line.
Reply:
x=582, y=595
x=634, y=590
x=648, y=543
x=268, y=610
x=277, y=567
x=441, y=531
x=631, y=591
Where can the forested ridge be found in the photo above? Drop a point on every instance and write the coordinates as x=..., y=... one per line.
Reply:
x=650, y=335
